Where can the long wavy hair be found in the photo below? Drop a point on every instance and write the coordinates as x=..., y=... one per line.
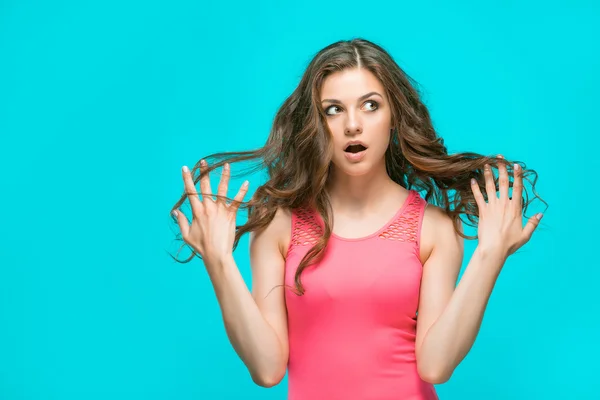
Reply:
x=298, y=152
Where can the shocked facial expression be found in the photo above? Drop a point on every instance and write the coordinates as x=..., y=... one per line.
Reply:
x=359, y=118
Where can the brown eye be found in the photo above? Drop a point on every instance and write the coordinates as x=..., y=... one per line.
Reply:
x=374, y=103
x=329, y=108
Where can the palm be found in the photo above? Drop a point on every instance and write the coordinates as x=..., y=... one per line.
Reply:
x=500, y=221
x=212, y=231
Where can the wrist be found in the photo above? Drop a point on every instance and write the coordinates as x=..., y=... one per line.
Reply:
x=494, y=254
x=217, y=261
x=218, y=266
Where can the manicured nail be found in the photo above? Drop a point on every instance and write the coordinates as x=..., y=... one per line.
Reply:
x=203, y=163
x=539, y=216
x=517, y=167
x=174, y=213
x=185, y=169
x=473, y=181
x=226, y=166
x=245, y=184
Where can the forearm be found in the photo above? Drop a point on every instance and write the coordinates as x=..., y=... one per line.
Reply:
x=452, y=335
x=253, y=339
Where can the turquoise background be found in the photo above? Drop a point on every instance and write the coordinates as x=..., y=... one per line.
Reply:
x=101, y=103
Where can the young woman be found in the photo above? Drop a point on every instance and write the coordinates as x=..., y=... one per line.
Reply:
x=354, y=272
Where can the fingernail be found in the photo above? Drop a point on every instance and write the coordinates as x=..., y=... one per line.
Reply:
x=226, y=166
x=517, y=167
x=500, y=156
x=245, y=184
x=185, y=169
x=539, y=216
x=174, y=213
x=473, y=181
x=203, y=163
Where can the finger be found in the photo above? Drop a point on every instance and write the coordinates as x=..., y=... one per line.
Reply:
x=205, y=182
x=503, y=179
x=223, y=184
x=517, y=194
x=190, y=189
x=477, y=194
x=239, y=197
x=490, y=186
x=531, y=225
x=182, y=221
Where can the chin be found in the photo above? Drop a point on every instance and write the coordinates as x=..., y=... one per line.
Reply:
x=353, y=169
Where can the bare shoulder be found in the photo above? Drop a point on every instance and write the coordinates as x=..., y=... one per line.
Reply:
x=278, y=231
x=282, y=222
x=437, y=229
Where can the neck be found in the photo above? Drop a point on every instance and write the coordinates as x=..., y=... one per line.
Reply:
x=356, y=193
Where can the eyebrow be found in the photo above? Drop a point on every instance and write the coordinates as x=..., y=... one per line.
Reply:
x=361, y=98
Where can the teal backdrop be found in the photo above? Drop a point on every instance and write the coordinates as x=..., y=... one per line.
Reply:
x=102, y=102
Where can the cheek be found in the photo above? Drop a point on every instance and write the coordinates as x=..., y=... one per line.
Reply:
x=382, y=143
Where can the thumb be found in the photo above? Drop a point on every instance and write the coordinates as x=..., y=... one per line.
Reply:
x=182, y=221
x=531, y=225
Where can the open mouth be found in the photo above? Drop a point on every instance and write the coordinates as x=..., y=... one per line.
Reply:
x=355, y=148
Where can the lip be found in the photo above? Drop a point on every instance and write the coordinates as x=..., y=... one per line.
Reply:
x=356, y=157
x=352, y=142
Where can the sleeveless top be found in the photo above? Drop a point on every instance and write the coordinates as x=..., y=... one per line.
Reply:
x=352, y=333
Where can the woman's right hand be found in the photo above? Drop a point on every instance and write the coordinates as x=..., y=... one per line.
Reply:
x=212, y=231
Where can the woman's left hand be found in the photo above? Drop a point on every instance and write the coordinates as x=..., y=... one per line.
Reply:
x=500, y=226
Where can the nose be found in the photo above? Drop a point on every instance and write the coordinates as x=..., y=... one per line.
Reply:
x=353, y=126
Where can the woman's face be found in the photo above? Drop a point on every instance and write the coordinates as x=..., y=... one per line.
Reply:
x=357, y=109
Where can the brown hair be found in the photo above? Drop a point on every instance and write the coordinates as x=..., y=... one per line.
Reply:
x=297, y=154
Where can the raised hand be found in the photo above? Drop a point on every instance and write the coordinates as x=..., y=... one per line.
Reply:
x=212, y=230
x=500, y=221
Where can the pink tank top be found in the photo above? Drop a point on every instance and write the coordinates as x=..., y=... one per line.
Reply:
x=352, y=334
